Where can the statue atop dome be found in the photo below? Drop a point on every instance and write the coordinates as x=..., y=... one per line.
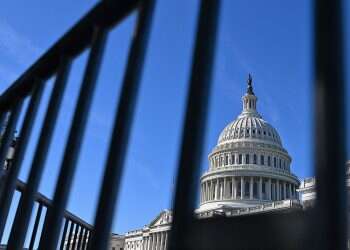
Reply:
x=250, y=86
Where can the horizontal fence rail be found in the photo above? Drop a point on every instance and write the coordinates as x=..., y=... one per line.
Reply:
x=63, y=230
x=82, y=228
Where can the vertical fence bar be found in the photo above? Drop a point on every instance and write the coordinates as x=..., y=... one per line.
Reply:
x=9, y=186
x=86, y=239
x=54, y=219
x=330, y=127
x=25, y=207
x=36, y=226
x=194, y=124
x=82, y=231
x=120, y=135
x=70, y=234
x=63, y=238
x=76, y=231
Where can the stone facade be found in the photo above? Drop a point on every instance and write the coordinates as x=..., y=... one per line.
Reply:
x=151, y=237
x=307, y=189
x=117, y=242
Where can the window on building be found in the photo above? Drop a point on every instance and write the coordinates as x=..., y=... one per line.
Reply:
x=247, y=159
x=269, y=160
x=262, y=160
x=232, y=159
x=280, y=163
x=255, y=159
x=239, y=189
x=239, y=159
x=246, y=189
x=226, y=159
x=263, y=187
x=255, y=190
x=274, y=162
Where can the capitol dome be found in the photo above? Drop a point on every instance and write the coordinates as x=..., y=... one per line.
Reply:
x=250, y=128
x=248, y=166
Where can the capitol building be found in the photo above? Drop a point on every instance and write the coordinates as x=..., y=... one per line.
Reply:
x=249, y=172
x=249, y=165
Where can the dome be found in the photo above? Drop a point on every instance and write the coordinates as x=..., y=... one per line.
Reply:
x=249, y=128
x=248, y=166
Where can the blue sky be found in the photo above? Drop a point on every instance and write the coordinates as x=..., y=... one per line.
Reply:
x=269, y=39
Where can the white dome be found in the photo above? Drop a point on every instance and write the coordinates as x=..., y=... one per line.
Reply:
x=249, y=128
x=249, y=165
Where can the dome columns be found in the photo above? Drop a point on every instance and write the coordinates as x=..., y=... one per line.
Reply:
x=251, y=189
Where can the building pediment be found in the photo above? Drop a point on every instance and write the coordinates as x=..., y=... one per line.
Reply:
x=164, y=218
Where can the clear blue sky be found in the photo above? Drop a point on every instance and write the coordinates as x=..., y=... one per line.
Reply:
x=269, y=39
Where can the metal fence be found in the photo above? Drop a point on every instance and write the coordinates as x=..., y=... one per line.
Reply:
x=324, y=227
x=75, y=232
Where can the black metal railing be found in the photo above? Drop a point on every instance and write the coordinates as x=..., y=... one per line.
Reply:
x=75, y=233
x=323, y=227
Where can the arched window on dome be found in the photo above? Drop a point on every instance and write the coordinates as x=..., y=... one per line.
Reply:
x=247, y=159
x=274, y=162
x=226, y=159
x=240, y=159
x=262, y=160
x=255, y=159
x=269, y=161
x=280, y=163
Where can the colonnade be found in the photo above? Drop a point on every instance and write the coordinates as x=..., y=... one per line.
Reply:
x=247, y=187
x=156, y=241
